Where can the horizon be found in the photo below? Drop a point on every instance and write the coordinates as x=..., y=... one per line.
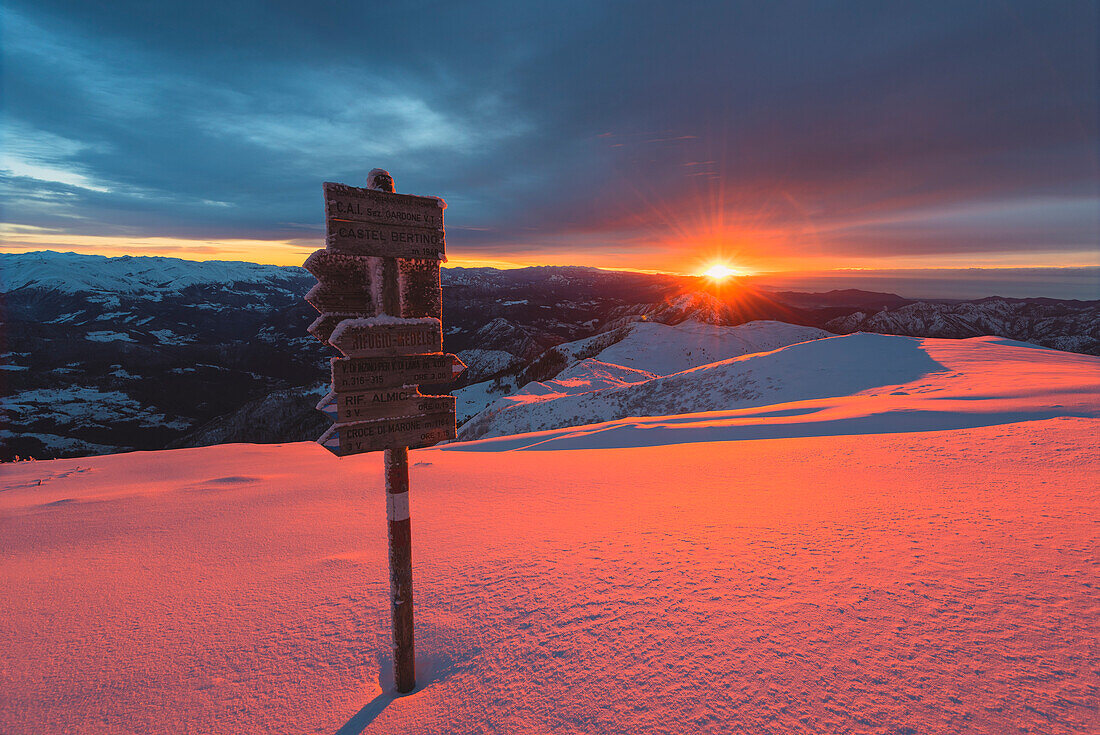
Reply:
x=770, y=139
x=1053, y=282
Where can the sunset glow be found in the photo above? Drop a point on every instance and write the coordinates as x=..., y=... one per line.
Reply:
x=483, y=368
x=720, y=272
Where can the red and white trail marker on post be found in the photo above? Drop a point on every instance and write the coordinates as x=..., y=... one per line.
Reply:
x=381, y=306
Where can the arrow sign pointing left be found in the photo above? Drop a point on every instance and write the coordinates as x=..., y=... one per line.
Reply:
x=383, y=336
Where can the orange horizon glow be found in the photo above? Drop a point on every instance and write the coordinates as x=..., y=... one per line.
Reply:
x=692, y=259
x=720, y=272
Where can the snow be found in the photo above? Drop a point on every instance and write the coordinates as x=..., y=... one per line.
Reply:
x=487, y=362
x=858, y=383
x=62, y=443
x=64, y=317
x=168, y=337
x=639, y=348
x=586, y=376
x=108, y=336
x=81, y=406
x=664, y=349
x=936, y=582
x=874, y=567
x=72, y=273
x=472, y=399
x=382, y=320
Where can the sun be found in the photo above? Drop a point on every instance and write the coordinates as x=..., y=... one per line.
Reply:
x=719, y=272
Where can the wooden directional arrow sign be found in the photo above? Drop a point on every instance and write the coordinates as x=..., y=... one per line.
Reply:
x=346, y=289
x=344, y=272
x=369, y=205
x=354, y=374
x=376, y=223
x=384, y=403
x=385, y=336
x=407, y=431
x=386, y=241
x=324, y=325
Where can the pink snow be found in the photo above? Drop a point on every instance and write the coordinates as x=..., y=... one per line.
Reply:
x=856, y=384
x=933, y=582
x=911, y=550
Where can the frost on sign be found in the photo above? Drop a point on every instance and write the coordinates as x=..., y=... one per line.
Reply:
x=361, y=373
x=420, y=289
x=383, y=403
x=381, y=304
x=370, y=205
x=406, y=431
x=387, y=336
x=369, y=222
x=345, y=283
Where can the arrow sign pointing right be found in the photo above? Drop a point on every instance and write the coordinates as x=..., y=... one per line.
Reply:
x=353, y=374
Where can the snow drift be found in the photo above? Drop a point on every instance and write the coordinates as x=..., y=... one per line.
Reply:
x=940, y=581
x=859, y=383
x=646, y=349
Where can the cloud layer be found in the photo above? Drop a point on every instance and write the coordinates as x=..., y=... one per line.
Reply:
x=646, y=135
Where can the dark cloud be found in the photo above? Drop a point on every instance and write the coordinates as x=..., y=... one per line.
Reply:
x=882, y=127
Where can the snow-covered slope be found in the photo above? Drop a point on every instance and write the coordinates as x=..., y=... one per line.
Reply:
x=901, y=540
x=73, y=273
x=587, y=376
x=649, y=348
x=939, y=582
x=663, y=349
x=870, y=382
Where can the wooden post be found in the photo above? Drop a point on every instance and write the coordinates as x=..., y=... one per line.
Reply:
x=397, y=503
x=401, y=596
x=381, y=259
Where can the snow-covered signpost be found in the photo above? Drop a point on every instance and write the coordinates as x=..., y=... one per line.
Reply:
x=381, y=305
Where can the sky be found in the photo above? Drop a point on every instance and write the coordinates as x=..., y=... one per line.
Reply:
x=778, y=136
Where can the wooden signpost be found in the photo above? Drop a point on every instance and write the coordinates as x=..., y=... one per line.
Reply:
x=381, y=306
x=372, y=338
x=367, y=222
x=345, y=408
x=358, y=373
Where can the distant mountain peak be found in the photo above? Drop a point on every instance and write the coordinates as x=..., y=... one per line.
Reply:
x=78, y=273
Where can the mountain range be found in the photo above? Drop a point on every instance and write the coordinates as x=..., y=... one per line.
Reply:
x=104, y=355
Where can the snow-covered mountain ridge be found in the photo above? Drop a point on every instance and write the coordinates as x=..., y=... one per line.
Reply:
x=861, y=382
x=110, y=354
x=627, y=353
x=76, y=273
x=1073, y=326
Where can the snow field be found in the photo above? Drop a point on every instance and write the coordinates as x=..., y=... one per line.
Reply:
x=643, y=350
x=855, y=384
x=934, y=582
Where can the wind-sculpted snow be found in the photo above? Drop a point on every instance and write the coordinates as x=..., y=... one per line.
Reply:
x=664, y=349
x=649, y=349
x=584, y=377
x=932, y=583
x=860, y=383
